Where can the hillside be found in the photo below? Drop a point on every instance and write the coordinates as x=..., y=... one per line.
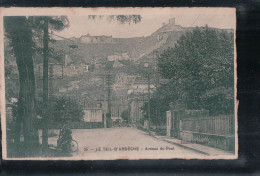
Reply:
x=136, y=48
x=91, y=84
x=95, y=52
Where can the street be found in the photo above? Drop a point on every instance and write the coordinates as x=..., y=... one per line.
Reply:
x=127, y=86
x=123, y=143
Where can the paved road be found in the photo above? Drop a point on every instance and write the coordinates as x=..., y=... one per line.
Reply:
x=124, y=143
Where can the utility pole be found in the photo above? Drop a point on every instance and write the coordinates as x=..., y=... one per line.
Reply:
x=149, y=97
x=118, y=110
x=157, y=84
x=157, y=72
x=51, y=87
x=138, y=112
x=45, y=84
x=51, y=95
x=149, y=111
x=109, y=93
x=104, y=102
x=108, y=83
x=129, y=110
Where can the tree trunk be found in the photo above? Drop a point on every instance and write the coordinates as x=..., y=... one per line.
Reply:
x=45, y=86
x=21, y=40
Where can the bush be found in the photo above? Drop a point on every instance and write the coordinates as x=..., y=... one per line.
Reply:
x=66, y=109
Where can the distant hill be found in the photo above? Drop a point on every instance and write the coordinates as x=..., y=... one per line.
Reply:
x=137, y=48
x=94, y=51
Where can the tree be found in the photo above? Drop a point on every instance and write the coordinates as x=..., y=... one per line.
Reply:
x=125, y=115
x=67, y=110
x=55, y=23
x=19, y=33
x=201, y=70
x=23, y=34
x=64, y=110
x=158, y=107
x=122, y=19
x=11, y=75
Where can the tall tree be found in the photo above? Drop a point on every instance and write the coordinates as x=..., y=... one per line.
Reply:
x=25, y=35
x=201, y=69
x=45, y=25
x=19, y=32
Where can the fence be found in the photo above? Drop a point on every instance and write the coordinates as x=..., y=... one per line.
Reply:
x=212, y=131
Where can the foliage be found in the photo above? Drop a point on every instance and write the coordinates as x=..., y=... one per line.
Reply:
x=55, y=23
x=200, y=54
x=125, y=115
x=200, y=70
x=91, y=67
x=201, y=61
x=66, y=110
x=158, y=108
x=122, y=19
x=22, y=41
x=62, y=109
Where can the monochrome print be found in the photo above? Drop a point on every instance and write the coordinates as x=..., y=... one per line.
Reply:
x=144, y=83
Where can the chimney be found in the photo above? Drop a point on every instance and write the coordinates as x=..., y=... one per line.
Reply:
x=172, y=21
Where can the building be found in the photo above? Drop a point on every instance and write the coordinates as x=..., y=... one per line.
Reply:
x=118, y=56
x=93, y=115
x=123, y=81
x=169, y=27
x=117, y=64
x=67, y=60
x=95, y=39
x=71, y=70
x=140, y=85
x=86, y=68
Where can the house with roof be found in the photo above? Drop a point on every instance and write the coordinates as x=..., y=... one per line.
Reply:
x=95, y=39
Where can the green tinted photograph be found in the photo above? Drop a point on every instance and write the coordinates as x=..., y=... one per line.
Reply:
x=127, y=83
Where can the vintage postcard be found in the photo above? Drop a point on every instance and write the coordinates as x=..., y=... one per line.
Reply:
x=118, y=83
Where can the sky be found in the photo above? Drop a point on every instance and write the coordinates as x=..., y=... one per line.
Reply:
x=152, y=19
x=190, y=17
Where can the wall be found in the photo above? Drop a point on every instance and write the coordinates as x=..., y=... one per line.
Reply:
x=96, y=39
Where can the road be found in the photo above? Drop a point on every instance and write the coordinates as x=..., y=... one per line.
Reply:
x=123, y=143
